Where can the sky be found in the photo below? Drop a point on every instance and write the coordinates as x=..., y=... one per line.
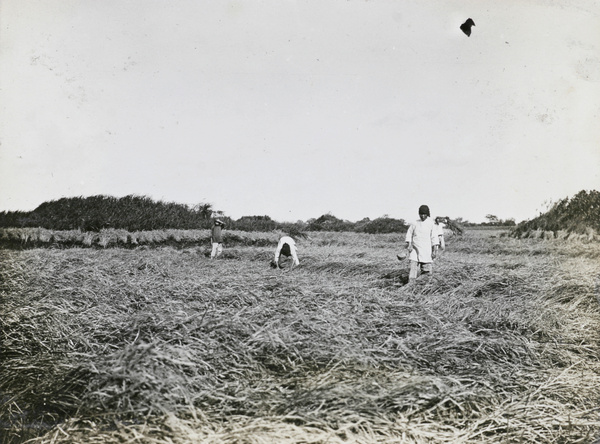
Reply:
x=298, y=108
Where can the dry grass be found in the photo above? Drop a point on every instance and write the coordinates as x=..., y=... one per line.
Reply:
x=161, y=345
x=26, y=238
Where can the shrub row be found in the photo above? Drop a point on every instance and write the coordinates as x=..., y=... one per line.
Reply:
x=578, y=214
x=132, y=213
x=139, y=213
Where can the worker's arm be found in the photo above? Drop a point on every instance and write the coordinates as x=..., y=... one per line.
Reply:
x=409, y=236
x=277, y=253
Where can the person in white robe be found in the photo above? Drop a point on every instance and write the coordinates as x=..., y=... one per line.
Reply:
x=439, y=227
x=422, y=243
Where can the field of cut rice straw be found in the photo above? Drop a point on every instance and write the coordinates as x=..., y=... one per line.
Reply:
x=162, y=345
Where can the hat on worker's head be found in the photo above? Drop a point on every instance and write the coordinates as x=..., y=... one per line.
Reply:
x=424, y=209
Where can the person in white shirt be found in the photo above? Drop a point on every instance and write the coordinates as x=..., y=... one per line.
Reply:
x=286, y=247
x=440, y=223
x=216, y=238
x=422, y=243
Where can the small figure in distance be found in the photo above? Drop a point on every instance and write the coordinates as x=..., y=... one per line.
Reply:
x=216, y=238
x=440, y=223
x=286, y=247
x=421, y=244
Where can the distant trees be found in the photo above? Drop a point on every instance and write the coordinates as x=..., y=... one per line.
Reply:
x=492, y=219
x=384, y=224
x=141, y=213
x=495, y=221
x=577, y=214
x=328, y=222
x=205, y=211
x=254, y=223
x=132, y=213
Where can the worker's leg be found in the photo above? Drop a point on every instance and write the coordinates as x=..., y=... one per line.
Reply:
x=295, y=257
x=217, y=249
x=427, y=268
x=414, y=271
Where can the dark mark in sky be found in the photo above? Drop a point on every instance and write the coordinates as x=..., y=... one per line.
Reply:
x=466, y=26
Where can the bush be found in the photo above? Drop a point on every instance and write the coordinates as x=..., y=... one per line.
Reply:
x=329, y=222
x=578, y=215
x=383, y=225
x=254, y=223
x=132, y=213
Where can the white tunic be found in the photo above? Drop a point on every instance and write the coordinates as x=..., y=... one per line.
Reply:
x=439, y=228
x=423, y=236
x=287, y=240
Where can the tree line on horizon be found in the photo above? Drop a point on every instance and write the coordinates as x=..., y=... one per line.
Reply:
x=141, y=213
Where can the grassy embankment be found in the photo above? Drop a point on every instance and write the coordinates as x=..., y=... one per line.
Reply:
x=162, y=345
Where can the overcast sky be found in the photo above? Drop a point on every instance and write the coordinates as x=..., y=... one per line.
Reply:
x=294, y=109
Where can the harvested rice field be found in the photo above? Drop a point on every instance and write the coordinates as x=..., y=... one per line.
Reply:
x=162, y=345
